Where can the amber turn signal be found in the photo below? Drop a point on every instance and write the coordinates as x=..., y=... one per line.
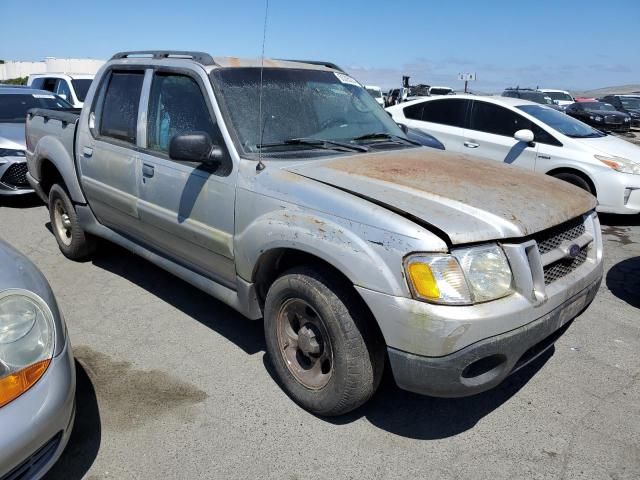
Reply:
x=15, y=384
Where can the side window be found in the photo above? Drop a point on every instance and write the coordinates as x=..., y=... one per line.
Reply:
x=62, y=89
x=37, y=83
x=491, y=118
x=445, y=112
x=413, y=112
x=119, y=117
x=49, y=84
x=177, y=106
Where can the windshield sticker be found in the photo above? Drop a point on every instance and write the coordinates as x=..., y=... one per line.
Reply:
x=41, y=95
x=346, y=79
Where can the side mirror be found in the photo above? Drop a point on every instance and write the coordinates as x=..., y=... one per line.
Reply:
x=195, y=147
x=524, y=135
x=403, y=127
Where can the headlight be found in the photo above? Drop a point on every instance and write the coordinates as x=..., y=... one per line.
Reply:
x=466, y=276
x=9, y=152
x=620, y=164
x=26, y=342
x=598, y=118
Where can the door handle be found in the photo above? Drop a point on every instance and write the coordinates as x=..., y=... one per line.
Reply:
x=87, y=151
x=469, y=144
x=147, y=170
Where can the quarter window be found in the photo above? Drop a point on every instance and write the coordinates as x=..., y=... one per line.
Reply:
x=445, y=112
x=413, y=112
x=176, y=106
x=119, y=118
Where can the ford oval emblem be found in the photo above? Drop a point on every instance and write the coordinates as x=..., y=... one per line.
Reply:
x=574, y=250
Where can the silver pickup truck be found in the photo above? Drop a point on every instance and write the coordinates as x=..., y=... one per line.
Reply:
x=285, y=191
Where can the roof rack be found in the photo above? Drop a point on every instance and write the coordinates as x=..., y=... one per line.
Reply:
x=315, y=62
x=199, y=57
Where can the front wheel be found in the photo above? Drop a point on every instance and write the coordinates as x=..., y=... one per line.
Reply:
x=576, y=180
x=324, y=346
x=73, y=241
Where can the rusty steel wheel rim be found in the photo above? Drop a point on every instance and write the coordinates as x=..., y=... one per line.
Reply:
x=62, y=223
x=304, y=343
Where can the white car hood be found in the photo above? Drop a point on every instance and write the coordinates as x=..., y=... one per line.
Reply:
x=611, y=145
x=12, y=136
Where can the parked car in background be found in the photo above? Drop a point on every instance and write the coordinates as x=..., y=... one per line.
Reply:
x=393, y=97
x=357, y=247
x=629, y=104
x=435, y=90
x=72, y=87
x=418, y=91
x=14, y=104
x=585, y=99
x=376, y=93
x=37, y=371
x=532, y=95
x=535, y=137
x=600, y=115
x=560, y=97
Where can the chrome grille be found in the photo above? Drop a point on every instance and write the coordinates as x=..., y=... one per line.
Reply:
x=552, y=238
x=561, y=268
x=16, y=175
x=613, y=120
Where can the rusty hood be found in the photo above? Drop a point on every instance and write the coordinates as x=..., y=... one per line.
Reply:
x=467, y=199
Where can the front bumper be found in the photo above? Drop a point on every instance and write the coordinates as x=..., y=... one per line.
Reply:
x=485, y=364
x=12, y=181
x=41, y=417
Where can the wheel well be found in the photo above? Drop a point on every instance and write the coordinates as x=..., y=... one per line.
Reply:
x=277, y=261
x=49, y=175
x=577, y=173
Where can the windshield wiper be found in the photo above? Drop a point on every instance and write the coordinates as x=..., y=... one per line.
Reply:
x=316, y=143
x=385, y=136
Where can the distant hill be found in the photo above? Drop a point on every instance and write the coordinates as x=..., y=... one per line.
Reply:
x=600, y=92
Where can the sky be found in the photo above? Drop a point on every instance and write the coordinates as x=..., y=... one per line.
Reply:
x=571, y=44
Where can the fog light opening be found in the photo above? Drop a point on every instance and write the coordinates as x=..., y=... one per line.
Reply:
x=484, y=366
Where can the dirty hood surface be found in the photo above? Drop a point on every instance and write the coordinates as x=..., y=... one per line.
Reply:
x=470, y=200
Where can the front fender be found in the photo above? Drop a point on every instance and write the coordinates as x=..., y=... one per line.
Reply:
x=367, y=256
x=51, y=149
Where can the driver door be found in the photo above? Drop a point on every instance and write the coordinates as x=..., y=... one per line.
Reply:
x=186, y=209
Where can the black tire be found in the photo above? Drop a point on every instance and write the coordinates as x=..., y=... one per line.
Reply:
x=358, y=352
x=576, y=180
x=73, y=241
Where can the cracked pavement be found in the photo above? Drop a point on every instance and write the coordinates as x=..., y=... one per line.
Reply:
x=173, y=384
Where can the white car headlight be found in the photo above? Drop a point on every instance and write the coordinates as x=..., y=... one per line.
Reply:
x=26, y=342
x=620, y=164
x=466, y=276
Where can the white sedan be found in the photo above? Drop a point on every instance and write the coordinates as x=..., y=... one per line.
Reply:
x=532, y=136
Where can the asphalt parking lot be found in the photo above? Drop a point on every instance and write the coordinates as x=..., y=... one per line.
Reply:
x=173, y=384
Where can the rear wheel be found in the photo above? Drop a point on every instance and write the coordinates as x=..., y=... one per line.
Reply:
x=73, y=241
x=576, y=180
x=325, y=349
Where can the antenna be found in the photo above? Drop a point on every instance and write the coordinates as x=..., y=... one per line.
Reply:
x=261, y=166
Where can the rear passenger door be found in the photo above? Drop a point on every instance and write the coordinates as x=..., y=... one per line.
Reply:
x=186, y=208
x=107, y=153
x=490, y=135
x=443, y=118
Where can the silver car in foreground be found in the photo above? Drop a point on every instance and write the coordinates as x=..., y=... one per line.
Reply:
x=14, y=104
x=37, y=373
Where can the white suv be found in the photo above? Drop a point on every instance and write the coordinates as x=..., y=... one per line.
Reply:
x=559, y=97
x=532, y=136
x=72, y=87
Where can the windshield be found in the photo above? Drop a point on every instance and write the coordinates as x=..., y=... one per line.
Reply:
x=81, y=86
x=440, y=91
x=310, y=104
x=559, y=96
x=630, y=103
x=374, y=92
x=561, y=122
x=597, y=106
x=13, y=108
x=537, y=97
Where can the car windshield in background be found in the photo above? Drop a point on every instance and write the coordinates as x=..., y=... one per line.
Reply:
x=561, y=122
x=630, y=102
x=13, y=108
x=598, y=106
x=440, y=91
x=537, y=97
x=374, y=93
x=299, y=104
x=559, y=96
x=81, y=86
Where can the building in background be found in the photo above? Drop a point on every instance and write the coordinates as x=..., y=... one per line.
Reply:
x=15, y=69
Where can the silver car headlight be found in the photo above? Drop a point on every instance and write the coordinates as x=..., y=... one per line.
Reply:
x=27, y=334
x=466, y=276
x=620, y=164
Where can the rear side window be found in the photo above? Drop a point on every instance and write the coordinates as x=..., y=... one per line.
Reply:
x=49, y=84
x=119, y=118
x=414, y=112
x=37, y=83
x=445, y=112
